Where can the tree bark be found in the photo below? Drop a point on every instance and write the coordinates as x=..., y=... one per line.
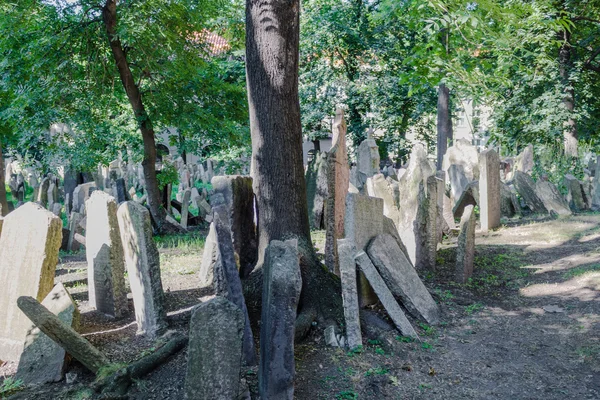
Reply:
x=3, y=199
x=570, y=125
x=444, y=123
x=272, y=45
x=109, y=15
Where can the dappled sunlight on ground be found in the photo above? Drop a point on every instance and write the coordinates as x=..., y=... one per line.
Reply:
x=583, y=288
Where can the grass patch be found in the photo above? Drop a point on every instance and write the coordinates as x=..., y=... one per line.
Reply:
x=10, y=386
x=579, y=271
x=188, y=242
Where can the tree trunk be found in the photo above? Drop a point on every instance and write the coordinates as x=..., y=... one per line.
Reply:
x=109, y=14
x=3, y=200
x=570, y=126
x=444, y=123
x=272, y=41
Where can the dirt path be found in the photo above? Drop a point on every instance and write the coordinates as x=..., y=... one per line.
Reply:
x=527, y=326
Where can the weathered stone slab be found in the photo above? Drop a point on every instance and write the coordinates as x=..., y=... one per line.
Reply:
x=458, y=181
x=524, y=161
x=185, y=207
x=316, y=189
x=402, y=279
x=526, y=188
x=74, y=228
x=387, y=298
x=596, y=187
x=43, y=360
x=211, y=269
x=238, y=199
x=42, y=197
x=551, y=197
x=470, y=196
x=281, y=291
x=507, y=207
x=463, y=153
x=120, y=190
x=29, y=245
x=576, y=196
x=338, y=179
x=81, y=194
x=346, y=252
x=214, y=351
x=143, y=268
x=380, y=187
x=465, y=253
x=367, y=160
x=489, y=190
x=104, y=252
x=448, y=215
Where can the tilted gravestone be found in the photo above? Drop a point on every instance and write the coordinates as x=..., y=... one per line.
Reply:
x=42, y=197
x=29, y=245
x=104, y=251
x=462, y=153
x=576, y=195
x=551, y=197
x=458, y=181
x=81, y=194
x=211, y=269
x=316, y=189
x=526, y=188
x=185, y=207
x=385, y=189
x=470, y=196
x=465, y=253
x=489, y=190
x=524, y=161
x=281, y=291
x=214, y=351
x=507, y=207
x=337, y=188
x=43, y=360
x=238, y=198
x=346, y=252
x=402, y=279
x=143, y=268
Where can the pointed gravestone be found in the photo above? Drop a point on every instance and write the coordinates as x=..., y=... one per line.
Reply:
x=402, y=279
x=104, y=251
x=489, y=190
x=29, y=245
x=465, y=252
x=143, y=268
x=42, y=197
x=211, y=269
x=337, y=188
x=347, y=252
x=464, y=154
x=43, y=360
x=281, y=292
x=81, y=194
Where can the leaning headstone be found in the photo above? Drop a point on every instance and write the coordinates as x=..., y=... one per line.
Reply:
x=346, y=252
x=104, y=251
x=458, y=181
x=526, y=188
x=367, y=160
x=211, y=269
x=143, y=268
x=385, y=189
x=316, y=189
x=185, y=207
x=402, y=279
x=463, y=153
x=43, y=192
x=43, y=360
x=120, y=190
x=29, y=245
x=281, y=291
x=214, y=351
x=469, y=197
x=238, y=199
x=489, y=190
x=447, y=213
x=81, y=194
x=551, y=197
x=465, y=253
x=387, y=298
x=507, y=208
x=337, y=188
x=74, y=228
x=575, y=196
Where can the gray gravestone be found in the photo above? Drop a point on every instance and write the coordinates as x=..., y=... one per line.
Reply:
x=346, y=252
x=185, y=207
x=281, y=292
x=214, y=351
x=465, y=252
x=526, y=188
x=104, y=251
x=551, y=197
x=489, y=190
x=316, y=189
x=143, y=268
x=576, y=196
x=367, y=160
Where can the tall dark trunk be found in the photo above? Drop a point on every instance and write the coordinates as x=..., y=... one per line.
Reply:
x=3, y=200
x=444, y=123
x=272, y=42
x=570, y=126
x=109, y=14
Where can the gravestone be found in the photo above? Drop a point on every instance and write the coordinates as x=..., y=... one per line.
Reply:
x=43, y=360
x=337, y=187
x=470, y=196
x=507, y=207
x=385, y=189
x=214, y=351
x=211, y=269
x=596, y=187
x=458, y=181
x=464, y=154
x=526, y=188
x=347, y=251
x=402, y=279
x=81, y=194
x=448, y=215
x=42, y=197
x=185, y=207
x=367, y=160
x=465, y=252
x=551, y=197
x=143, y=268
x=29, y=245
x=281, y=291
x=104, y=252
x=120, y=190
x=238, y=198
x=70, y=183
x=489, y=190
x=524, y=161
x=387, y=298
x=316, y=189
x=576, y=196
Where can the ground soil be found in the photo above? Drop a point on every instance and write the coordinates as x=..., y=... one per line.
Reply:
x=526, y=326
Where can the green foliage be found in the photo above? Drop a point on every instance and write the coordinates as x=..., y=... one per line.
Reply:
x=579, y=271
x=10, y=386
x=347, y=395
x=168, y=175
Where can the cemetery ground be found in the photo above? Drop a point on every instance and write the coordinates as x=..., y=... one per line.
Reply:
x=525, y=326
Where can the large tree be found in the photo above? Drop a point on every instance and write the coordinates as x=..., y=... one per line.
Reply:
x=272, y=39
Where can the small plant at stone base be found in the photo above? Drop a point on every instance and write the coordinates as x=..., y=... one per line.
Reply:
x=377, y=371
x=355, y=351
x=380, y=351
x=405, y=339
x=9, y=386
x=473, y=308
x=347, y=395
x=428, y=330
x=426, y=346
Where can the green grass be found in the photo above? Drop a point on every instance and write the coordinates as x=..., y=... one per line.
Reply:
x=10, y=386
x=575, y=272
x=347, y=395
x=187, y=243
x=473, y=308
